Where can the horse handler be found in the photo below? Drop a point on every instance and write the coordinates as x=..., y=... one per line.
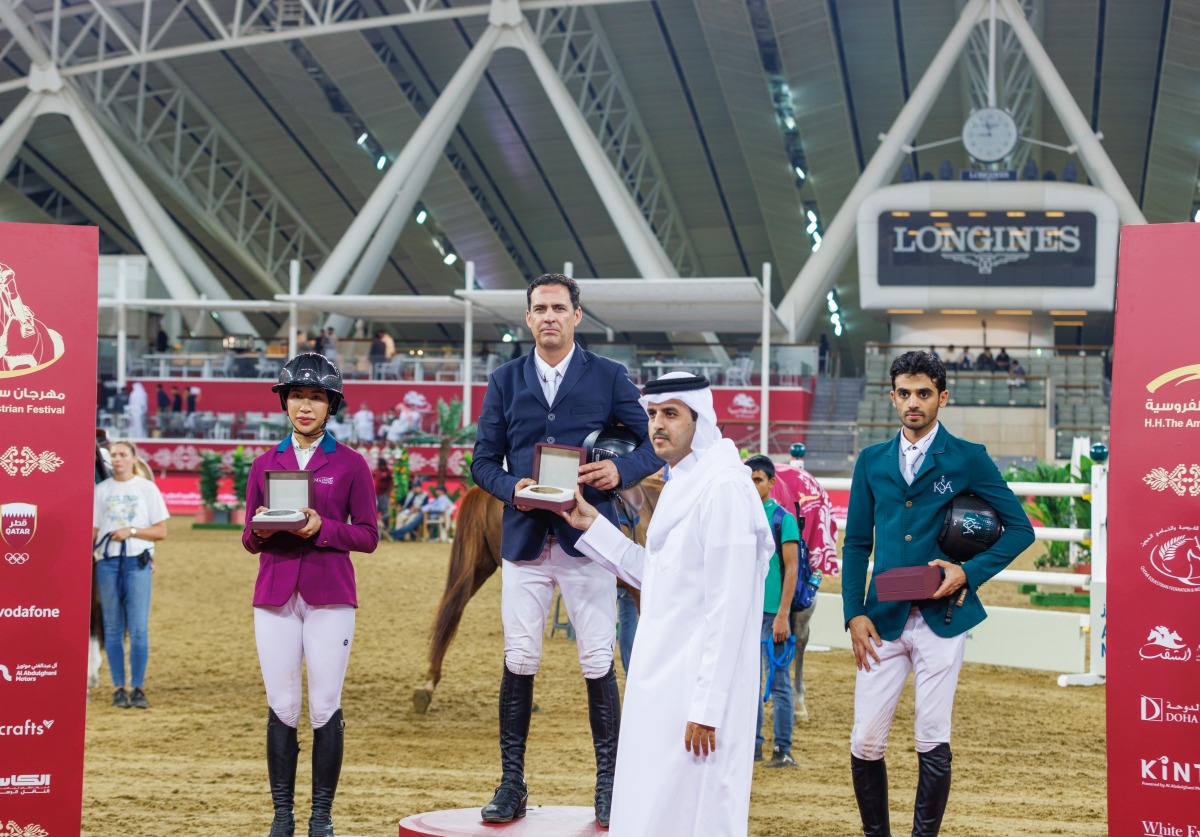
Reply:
x=558, y=393
x=687, y=738
x=304, y=599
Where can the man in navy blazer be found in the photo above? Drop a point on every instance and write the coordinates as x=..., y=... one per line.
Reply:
x=898, y=499
x=558, y=393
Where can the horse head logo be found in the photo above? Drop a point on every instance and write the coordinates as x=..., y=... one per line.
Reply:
x=1178, y=558
x=26, y=343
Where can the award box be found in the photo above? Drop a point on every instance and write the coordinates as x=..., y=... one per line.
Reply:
x=284, y=494
x=556, y=469
x=908, y=584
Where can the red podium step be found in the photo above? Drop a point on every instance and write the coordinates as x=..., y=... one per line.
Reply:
x=540, y=821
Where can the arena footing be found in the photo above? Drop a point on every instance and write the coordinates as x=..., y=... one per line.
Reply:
x=540, y=821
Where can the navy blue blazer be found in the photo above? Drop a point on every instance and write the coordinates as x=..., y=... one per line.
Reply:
x=595, y=391
x=901, y=522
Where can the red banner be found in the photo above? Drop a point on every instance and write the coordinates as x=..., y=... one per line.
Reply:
x=48, y=400
x=1153, y=629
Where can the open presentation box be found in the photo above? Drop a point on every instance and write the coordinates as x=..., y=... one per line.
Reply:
x=284, y=494
x=556, y=469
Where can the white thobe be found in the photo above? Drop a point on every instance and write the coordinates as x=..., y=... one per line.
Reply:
x=696, y=654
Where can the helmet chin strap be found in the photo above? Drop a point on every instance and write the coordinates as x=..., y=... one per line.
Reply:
x=311, y=435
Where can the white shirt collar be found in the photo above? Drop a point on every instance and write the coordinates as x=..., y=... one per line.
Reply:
x=923, y=444
x=545, y=370
x=303, y=455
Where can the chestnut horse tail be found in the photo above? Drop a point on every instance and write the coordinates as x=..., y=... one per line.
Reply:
x=473, y=559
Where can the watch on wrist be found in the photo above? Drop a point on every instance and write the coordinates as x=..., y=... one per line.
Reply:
x=132, y=531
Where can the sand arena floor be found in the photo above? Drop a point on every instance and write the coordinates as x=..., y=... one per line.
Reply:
x=1029, y=756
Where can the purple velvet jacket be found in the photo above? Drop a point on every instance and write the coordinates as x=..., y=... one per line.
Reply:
x=319, y=567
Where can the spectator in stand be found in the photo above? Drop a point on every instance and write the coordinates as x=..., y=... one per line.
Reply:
x=1016, y=375
x=161, y=399
x=382, y=475
x=985, y=362
x=162, y=343
x=176, y=400
x=390, y=344
x=378, y=352
x=1002, y=361
x=193, y=396
x=331, y=343
x=933, y=351
x=364, y=424
x=964, y=362
x=951, y=358
x=136, y=410
x=440, y=504
x=823, y=355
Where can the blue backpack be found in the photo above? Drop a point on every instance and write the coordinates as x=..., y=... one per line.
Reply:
x=805, y=593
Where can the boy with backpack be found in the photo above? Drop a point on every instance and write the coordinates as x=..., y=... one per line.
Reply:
x=777, y=643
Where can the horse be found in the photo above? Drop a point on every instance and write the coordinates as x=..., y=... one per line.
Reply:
x=475, y=556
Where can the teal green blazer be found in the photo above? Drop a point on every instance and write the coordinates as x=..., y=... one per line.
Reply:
x=901, y=523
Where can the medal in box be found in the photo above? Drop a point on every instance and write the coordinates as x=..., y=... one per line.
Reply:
x=556, y=469
x=284, y=494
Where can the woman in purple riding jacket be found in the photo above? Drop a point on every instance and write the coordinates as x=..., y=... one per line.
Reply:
x=304, y=599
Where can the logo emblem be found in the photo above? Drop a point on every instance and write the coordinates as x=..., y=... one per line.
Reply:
x=25, y=462
x=943, y=485
x=744, y=406
x=26, y=343
x=1176, y=376
x=18, y=524
x=4, y=673
x=1165, y=644
x=1182, y=479
x=1174, y=554
x=985, y=262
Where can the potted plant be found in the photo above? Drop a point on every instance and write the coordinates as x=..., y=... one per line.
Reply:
x=239, y=467
x=210, y=478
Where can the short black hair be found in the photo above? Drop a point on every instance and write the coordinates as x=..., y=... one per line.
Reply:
x=920, y=363
x=759, y=462
x=553, y=279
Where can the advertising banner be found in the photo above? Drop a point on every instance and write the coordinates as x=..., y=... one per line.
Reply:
x=1153, y=628
x=48, y=403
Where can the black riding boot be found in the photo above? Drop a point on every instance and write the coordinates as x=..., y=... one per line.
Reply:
x=516, y=705
x=604, y=712
x=328, y=744
x=871, y=789
x=282, y=751
x=933, y=789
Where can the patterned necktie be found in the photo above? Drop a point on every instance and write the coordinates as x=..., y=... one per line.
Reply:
x=911, y=454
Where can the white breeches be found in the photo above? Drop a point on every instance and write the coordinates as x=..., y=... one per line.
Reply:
x=935, y=662
x=589, y=592
x=322, y=636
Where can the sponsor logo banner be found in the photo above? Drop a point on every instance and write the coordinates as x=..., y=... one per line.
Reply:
x=48, y=377
x=1153, y=630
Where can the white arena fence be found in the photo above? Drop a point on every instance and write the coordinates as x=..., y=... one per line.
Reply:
x=1046, y=640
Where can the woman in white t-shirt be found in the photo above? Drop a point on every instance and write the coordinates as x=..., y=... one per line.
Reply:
x=129, y=517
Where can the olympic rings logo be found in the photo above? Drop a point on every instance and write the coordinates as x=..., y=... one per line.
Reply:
x=16, y=557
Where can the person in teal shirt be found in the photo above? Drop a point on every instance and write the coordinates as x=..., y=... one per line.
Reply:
x=777, y=603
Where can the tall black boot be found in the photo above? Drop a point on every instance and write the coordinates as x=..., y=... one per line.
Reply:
x=516, y=705
x=282, y=751
x=871, y=790
x=604, y=712
x=328, y=744
x=933, y=789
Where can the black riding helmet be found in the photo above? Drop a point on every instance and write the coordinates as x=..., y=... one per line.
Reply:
x=310, y=370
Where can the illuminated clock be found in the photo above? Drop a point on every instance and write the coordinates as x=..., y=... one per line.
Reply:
x=989, y=135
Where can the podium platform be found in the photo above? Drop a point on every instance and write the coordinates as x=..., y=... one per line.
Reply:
x=539, y=821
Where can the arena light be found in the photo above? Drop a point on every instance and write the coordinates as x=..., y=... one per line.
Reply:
x=1058, y=312
x=450, y=258
x=362, y=138
x=976, y=214
x=421, y=216
x=939, y=214
x=789, y=122
x=1055, y=214
x=1015, y=312
x=799, y=172
x=958, y=311
x=380, y=163
x=1068, y=323
x=897, y=213
x=1015, y=214
x=906, y=310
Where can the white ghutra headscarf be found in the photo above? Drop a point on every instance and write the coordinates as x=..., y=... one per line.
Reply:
x=696, y=393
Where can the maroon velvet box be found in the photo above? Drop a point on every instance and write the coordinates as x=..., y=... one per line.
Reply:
x=285, y=491
x=556, y=469
x=908, y=584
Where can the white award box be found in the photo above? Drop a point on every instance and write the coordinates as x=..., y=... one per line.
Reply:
x=556, y=469
x=285, y=493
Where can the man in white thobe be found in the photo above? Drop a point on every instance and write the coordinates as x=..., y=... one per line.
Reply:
x=686, y=752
